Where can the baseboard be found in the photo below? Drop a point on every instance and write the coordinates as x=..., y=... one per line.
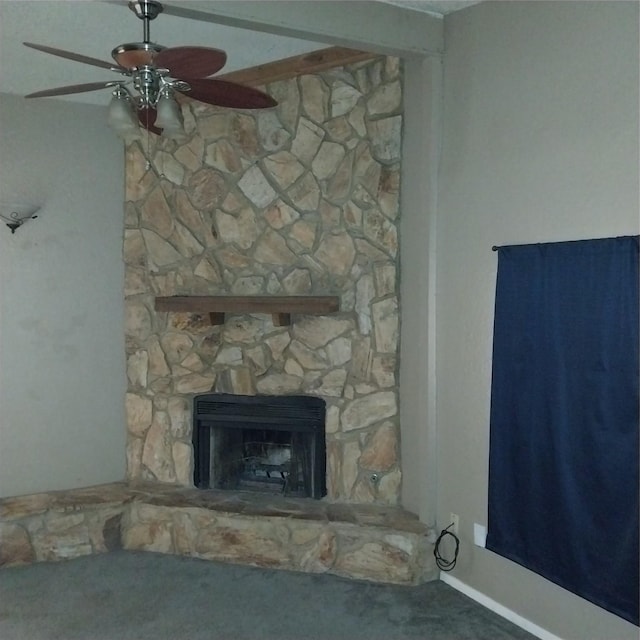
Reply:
x=498, y=608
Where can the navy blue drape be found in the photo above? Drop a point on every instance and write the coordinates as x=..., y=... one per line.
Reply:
x=563, y=461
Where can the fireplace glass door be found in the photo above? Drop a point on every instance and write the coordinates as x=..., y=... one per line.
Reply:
x=271, y=444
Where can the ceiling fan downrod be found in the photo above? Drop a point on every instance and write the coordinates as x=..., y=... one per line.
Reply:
x=146, y=10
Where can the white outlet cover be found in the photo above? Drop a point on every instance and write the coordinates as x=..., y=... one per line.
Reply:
x=479, y=535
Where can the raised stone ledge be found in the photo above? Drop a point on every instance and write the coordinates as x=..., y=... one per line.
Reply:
x=370, y=542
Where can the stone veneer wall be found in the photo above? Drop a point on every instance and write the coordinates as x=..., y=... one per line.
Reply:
x=300, y=199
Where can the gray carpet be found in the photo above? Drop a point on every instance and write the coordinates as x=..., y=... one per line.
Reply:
x=137, y=595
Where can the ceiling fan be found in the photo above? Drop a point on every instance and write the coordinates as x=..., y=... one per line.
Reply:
x=154, y=75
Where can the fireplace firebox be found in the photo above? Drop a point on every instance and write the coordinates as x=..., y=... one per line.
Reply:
x=272, y=444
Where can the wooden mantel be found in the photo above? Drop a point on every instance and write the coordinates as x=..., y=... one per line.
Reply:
x=280, y=307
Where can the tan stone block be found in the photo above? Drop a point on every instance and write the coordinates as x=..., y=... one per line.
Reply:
x=280, y=215
x=386, y=136
x=313, y=359
x=182, y=454
x=207, y=188
x=195, y=383
x=284, y=168
x=62, y=545
x=327, y=160
x=278, y=343
x=135, y=280
x=137, y=321
x=257, y=357
x=304, y=231
x=332, y=419
x=389, y=487
x=297, y=282
x=185, y=534
x=317, y=331
x=350, y=456
x=134, y=458
x=15, y=545
x=385, y=100
x=185, y=242
x=381, y=231
x=155, y=213
x=337, y=253
x=293, y=368
x=340, y=184
x=385, y=279
x=137, y=368
x=176, y=346
x=303, y=534
x=386, y=325
x=156, y=454
x=235, y=541
x=363, y=412
x=278, y=384
x=343, y=98
x=330, y=385
x=223, y=156
x=376, y=561
x=339, y=129
x=315, y=98
x=364, y=490
x=193, y=362
x=334, y=470
x=271, y=248
x=322, y=556
x=307, y=140
x=240, y=229
x=305, y=193
x=381, y=450
x=139, y=412
x=56, y=522
x=208, y=271
x=149, y=536
x=160, y=252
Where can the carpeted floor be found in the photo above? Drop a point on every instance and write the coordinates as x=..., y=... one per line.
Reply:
x=137, y=595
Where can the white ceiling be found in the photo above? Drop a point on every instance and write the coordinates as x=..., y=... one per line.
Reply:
x=93, y=28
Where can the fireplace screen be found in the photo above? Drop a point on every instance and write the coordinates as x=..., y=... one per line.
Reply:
x=260, y=443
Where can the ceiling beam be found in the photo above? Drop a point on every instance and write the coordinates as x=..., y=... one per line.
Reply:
x=288, y=68
x=357, y=24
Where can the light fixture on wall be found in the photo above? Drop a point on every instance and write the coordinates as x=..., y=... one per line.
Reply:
x=15, y=215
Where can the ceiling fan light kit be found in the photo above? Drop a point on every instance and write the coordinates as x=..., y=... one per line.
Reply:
x=154, y=75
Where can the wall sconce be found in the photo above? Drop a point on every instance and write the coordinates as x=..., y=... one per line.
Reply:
x=15, y=215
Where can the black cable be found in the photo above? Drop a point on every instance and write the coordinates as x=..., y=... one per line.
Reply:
x=442, y=563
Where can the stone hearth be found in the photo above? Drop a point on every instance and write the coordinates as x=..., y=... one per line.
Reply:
x=370, y=542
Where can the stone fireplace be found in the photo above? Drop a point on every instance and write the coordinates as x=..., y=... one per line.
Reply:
x=299, y=200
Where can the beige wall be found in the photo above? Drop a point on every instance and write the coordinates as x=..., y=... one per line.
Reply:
x=62, y=374
x=540, y=143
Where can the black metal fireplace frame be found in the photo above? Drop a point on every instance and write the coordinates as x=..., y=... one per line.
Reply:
x=279, y=413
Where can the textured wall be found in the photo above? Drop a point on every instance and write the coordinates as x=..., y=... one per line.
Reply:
x=540, y=144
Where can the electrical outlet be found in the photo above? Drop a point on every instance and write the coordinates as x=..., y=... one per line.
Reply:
x=454, y=519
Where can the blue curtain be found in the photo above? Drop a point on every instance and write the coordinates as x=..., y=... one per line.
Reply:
x=563, y=461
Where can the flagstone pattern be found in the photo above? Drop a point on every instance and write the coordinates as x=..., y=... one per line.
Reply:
x=299, y=199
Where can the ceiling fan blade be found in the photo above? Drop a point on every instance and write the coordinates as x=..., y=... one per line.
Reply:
x=72, y=88
x=191, y=62
x=228, y=94
x=147, y=117
x=69, y=55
